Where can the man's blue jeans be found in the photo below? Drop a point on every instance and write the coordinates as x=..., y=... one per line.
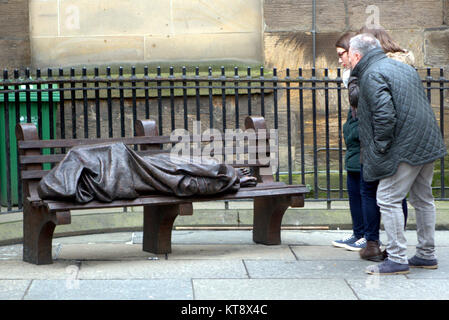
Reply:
x=355, y=203
x=370, y=209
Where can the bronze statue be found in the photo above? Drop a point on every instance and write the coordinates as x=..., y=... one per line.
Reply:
x=110, y=171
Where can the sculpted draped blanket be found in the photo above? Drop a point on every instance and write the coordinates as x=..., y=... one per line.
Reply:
x=114, y=171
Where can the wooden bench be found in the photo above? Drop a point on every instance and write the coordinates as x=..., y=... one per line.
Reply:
x=271, y=199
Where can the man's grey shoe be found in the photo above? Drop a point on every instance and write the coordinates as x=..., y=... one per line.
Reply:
x=416, y=262
x=388, y=267
x=344, y=242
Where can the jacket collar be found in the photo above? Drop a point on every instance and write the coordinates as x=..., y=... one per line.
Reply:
x=367, y=60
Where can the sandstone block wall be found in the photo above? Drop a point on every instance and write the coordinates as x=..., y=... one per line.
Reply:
x=40, y=33
x=14, y=34
x=418, y=25
x=86, y=32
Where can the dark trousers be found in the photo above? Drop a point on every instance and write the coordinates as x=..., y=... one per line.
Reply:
x=355, y=203
x=370, y=209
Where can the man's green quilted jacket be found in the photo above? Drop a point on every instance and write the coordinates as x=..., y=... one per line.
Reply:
x=396, y=121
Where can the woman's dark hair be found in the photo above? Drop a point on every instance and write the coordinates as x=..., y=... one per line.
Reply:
x=343, y=41
x=387, y=42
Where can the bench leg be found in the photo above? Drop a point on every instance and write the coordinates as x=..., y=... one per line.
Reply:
x=268, y=213
x=157, y=227
x=38, y=227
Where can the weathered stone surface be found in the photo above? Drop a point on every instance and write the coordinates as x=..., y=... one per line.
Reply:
x=72, y=51
x=116, y=289
x=392, y=14
x=446, y=11
x=280, y=289
x=14, y=270
x=162, y=269
x=114, y=17
x=288, y=40
x=44, y=17
x=14, y=53
x=410, y=39
x=84, y=32
x=436, y=47
x=14, y=19
x=103, y=251
x=211, y=46
x=13, y=289
x=291, y=15
x=295, y=50
x=390, y=287
x=14, y=34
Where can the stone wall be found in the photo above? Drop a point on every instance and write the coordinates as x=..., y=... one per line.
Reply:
x=14, y=34
x=277, y=33
x=418, y=25
x=86, y=32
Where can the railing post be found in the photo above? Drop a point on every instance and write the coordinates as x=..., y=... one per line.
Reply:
x=442, y=81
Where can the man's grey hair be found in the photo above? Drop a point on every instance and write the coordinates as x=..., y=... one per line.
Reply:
x=363, y=43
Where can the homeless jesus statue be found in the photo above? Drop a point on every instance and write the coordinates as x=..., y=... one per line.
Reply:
x=110, y=171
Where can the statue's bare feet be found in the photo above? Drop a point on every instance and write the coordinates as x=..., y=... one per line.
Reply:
x=241, y=172
x=248, y=181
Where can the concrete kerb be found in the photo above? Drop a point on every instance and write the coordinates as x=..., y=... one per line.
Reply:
x=216, y=215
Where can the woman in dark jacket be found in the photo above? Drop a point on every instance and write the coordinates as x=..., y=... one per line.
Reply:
x=352, y=156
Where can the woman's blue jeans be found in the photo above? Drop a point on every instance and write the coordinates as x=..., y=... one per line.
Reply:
x=355, y=203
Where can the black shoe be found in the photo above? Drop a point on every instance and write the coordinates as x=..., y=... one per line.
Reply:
x=416, y=262
x=388, y=267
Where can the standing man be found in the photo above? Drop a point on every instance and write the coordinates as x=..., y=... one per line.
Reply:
x=400, y=140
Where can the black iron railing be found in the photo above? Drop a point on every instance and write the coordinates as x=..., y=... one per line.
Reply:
x=307, y=107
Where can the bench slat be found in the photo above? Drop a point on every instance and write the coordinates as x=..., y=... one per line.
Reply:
x=53, y=158
x=67, y=143
x=243, y=193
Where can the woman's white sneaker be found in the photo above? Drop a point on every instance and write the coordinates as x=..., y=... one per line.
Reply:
x=343, y=242
x=357, y=246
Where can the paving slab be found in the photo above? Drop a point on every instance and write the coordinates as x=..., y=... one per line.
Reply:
x=115, y=237
x=323, y=253
x=103, y=251
x=162, y=269
x=333, y=253
x=160, y=289
x=12, y=252
x=12, y=269
x=230, y=252
x=13, y=289
x=395, y=288
x=206, y=236
x=279, y=289
x=443, y=267
x=328, y=269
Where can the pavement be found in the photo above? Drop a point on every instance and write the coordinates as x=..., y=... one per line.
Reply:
x=213, y=264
